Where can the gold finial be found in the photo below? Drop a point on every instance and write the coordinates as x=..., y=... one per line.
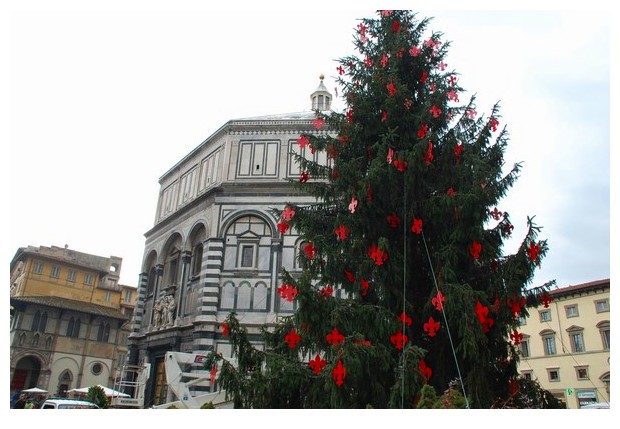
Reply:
x=322, y=76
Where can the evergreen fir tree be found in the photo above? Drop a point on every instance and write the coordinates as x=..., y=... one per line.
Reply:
x=405, y=280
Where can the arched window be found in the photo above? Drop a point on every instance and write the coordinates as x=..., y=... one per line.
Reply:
x=548, y=337
x=39, y=322
x=73, y=328
x=603, y=328
x=197, y=259
x=150, y=289
x=227, y=296
x=103, y=334
x=64, y=383
x=576, y=339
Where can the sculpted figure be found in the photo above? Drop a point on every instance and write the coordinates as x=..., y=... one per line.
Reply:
x=157, y=315
x=170, y=307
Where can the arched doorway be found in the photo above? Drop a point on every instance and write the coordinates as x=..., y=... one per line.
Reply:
x=26, y=373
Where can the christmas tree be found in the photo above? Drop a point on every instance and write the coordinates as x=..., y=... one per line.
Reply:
x=405, y=281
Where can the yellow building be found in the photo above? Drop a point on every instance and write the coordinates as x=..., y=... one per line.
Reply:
x=69, y=319
x=565, y=344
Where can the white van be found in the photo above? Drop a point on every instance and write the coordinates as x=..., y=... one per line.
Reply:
x=66, y=404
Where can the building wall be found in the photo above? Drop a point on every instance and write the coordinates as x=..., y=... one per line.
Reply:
x=215, y=219
x=52, y=352
x=578, y=372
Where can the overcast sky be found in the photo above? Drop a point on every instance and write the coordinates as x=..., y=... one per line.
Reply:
x=104, y=100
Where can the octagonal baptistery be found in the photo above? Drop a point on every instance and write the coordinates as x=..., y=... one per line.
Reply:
x=215, y=247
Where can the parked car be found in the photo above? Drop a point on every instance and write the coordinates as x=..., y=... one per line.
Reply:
x=65, y=404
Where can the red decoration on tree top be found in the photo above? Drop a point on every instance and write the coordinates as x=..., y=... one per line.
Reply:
x=496, y=214
x=532, y=251
x=292, y=338
x=288, y=292
x=335, y=337
x=431, y=327
x=494, y=124
x=317, y=364
x=340, y=70
x=339, y=373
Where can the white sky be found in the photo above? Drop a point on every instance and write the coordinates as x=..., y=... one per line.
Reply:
x=105, y=99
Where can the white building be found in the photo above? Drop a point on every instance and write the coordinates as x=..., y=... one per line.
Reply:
x=215, y=246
